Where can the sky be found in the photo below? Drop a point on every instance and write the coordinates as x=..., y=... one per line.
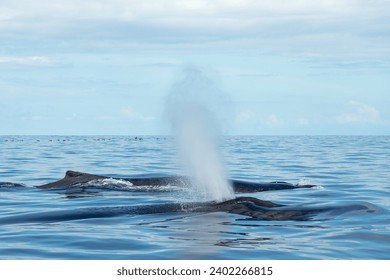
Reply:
x=106, y=67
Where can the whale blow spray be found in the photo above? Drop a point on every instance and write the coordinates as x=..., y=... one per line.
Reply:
x=192, y=107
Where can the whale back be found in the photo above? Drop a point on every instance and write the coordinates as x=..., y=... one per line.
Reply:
x=72, y=178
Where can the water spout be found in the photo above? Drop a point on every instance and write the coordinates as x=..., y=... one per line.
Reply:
x=194, y=124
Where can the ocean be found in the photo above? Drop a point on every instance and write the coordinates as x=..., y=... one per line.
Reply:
x=351, y=173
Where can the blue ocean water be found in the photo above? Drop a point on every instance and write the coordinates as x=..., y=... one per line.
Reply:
x=349, y=170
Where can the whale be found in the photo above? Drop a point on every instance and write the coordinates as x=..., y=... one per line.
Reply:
x=76, y=178
x=250, y=207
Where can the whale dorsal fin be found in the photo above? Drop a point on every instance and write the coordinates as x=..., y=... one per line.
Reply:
x=72, y=178
x=72, y=174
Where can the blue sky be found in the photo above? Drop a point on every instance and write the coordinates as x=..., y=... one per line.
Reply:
x=106, y=66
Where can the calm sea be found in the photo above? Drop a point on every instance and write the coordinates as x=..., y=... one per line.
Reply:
x=349, y=170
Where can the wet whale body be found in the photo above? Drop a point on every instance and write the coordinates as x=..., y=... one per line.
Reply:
x=249, y=207
x=74, y=178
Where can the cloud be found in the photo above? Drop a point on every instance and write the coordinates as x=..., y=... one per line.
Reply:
x=133, y=115
x=302, y=121
x=250, y=117
x=273, y=120
x=168, y=11
x=27, y=60
x=34, y=118
x=361, y=113
x=306, y=27
x=242, y=13
x=244, y=117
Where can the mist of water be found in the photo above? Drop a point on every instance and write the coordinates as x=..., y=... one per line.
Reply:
x=193, y=106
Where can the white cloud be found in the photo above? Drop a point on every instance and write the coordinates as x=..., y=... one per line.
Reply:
x=27, y=60
x=273, y=120
x=361, y=113
x=132, y=114
x=8, y=14
x=302, y=121
x=241, y=13
x=244, y=117
x=316, y=28
x=163, y=9
x=251, y=118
